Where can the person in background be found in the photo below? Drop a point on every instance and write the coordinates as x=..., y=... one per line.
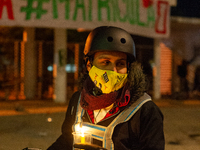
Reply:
x=112, y=101
x=196, y=88
x=182, y=73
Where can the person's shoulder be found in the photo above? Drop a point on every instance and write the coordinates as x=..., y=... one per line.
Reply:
x=75, y=97
x=149, y=103
x=76, y=94
x=150, y=108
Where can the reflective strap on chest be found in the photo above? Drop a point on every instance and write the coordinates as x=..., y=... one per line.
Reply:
x=103, y=133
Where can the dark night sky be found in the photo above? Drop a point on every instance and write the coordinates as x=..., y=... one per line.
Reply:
x=186, y=8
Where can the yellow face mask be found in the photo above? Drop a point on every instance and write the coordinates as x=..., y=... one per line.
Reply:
x=107, y=80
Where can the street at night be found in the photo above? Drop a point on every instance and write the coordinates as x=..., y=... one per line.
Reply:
x=41, y=127
x=112, y=52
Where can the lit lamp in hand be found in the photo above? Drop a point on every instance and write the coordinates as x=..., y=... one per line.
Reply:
x=82, y=139
x=80, y=136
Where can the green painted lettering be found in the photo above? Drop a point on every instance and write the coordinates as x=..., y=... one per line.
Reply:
x=131, y=11
x=103, y=4
x=151, y=17
x=90, y=10
x=122, y=18
x=115, y=10
x=138, y=14
x=79, y=5
x=29, y=9
x=55, y=8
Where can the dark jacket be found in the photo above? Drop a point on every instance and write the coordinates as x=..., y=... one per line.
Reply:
x=144, y=131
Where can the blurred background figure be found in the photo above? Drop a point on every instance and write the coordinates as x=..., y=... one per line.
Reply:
x=196, y=88
x=182, y=73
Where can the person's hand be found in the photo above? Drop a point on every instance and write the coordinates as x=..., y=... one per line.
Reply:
x=88, y=146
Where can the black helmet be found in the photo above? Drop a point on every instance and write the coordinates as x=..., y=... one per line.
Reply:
x=109, y=38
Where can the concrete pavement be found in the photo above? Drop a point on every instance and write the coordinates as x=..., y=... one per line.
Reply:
x=38, y=123
x=182, y=127
x=24, y=107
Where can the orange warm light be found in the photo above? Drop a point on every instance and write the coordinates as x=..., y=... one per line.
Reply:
x=166, y=70
x=80, y=129
x=24, y=36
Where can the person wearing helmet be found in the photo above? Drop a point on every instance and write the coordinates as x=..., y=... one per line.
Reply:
x=112, y=103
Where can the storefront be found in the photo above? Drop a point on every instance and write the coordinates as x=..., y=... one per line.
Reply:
x=146, y=19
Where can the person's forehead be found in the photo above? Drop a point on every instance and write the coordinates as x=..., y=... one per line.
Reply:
x=106, y=54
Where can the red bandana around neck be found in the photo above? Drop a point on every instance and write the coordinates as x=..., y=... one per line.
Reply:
x=91, y=102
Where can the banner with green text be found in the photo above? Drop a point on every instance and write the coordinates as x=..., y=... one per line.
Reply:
x=150, y=18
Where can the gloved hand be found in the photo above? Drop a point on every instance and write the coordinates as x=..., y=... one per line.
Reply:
x=88, y=146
